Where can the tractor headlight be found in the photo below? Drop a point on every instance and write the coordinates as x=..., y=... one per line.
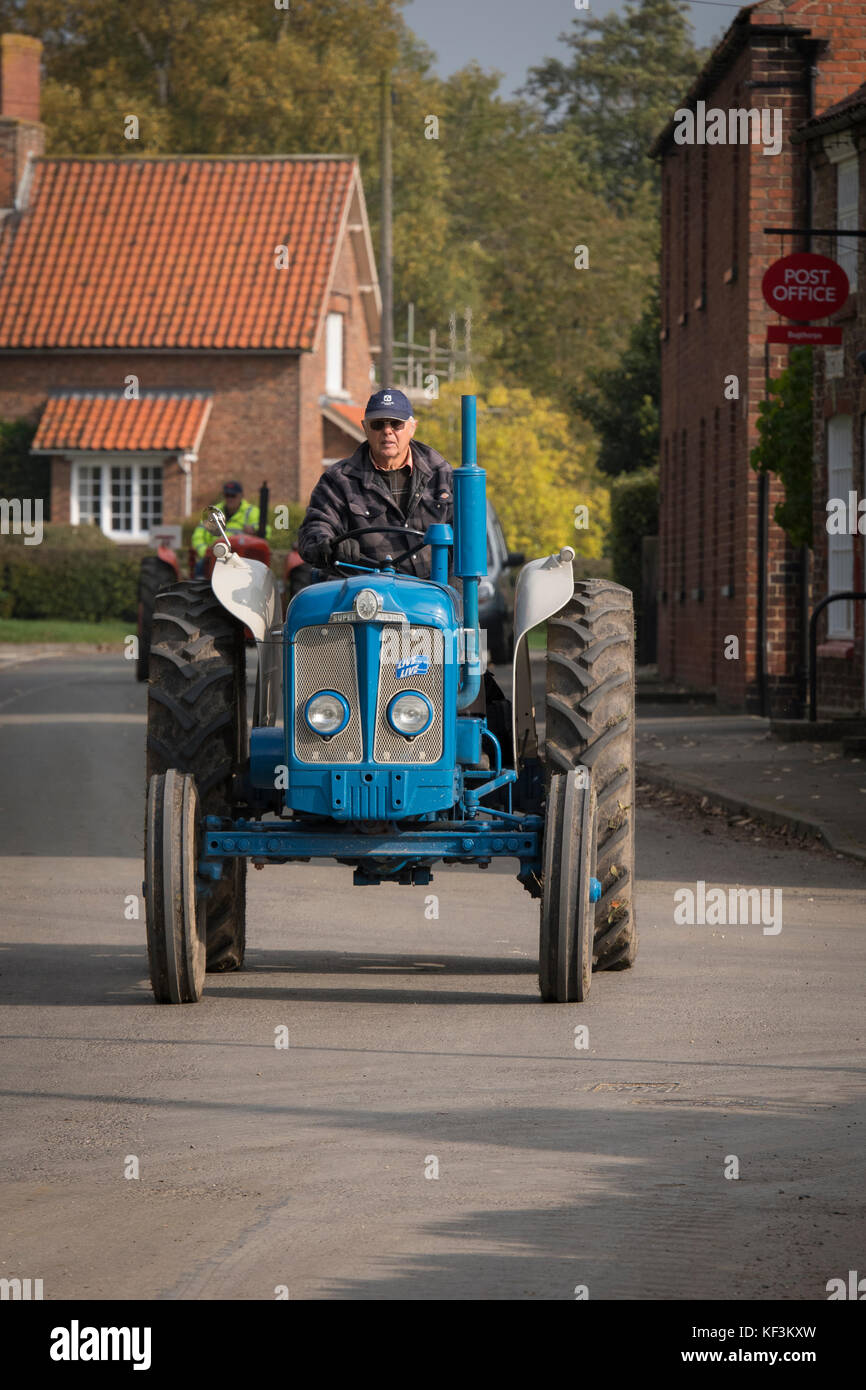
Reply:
x=327, y=713
x=367, y=604
x=410, y=713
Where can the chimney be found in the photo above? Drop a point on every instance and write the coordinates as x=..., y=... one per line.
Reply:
x=20, y=131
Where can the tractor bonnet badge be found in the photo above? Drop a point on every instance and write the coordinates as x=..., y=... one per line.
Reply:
x=417, y=666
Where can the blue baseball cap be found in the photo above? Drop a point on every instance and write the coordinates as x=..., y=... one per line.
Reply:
x=388, y=405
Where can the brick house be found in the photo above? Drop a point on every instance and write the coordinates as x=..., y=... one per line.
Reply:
x=726, y=569
x=172, y=322
x=836, y=145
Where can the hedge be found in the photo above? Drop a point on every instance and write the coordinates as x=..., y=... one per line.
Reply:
x=84, y=577
x=634, y=513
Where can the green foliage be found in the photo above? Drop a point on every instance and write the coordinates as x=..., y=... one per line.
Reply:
x=21, y=474
x=538, y=469
x=634, y=513
x=59, y=535
x=624, y=405
x=74, y=581
x=624, y=75
x=785, y=444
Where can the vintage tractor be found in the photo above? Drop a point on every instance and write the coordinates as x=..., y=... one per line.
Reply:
x=378, y=742
x=161, y=569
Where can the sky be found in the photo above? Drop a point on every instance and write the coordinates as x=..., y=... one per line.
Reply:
x=513, y=35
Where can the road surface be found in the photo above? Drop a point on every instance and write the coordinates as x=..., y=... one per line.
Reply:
x=431, y=1131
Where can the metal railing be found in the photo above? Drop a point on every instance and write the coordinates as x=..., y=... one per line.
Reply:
x=813, y=644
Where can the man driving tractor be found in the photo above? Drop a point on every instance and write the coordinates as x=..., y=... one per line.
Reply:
x=240, y=516
x=392, y=480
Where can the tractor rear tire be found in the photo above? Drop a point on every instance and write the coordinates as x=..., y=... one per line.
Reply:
x=153, y=576
x=501, y=641
x=174, y=913
x=590, y=720
x=196, y=722
x=567, y=916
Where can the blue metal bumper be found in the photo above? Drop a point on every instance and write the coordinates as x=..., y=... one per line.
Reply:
x=466, y=841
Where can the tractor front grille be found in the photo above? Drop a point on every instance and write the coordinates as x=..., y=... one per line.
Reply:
x=389, y=746
x=325, y=660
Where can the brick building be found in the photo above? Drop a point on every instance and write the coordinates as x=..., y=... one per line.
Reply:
x=725, y=568
x=836, y=145
x=171, y=322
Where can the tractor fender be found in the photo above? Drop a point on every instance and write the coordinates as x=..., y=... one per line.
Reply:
x=246, y=588
x=543, y=588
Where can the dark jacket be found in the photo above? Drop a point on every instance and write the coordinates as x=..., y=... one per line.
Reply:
x=352, y=494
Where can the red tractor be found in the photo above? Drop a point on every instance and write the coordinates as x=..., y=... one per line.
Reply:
x=163, y=569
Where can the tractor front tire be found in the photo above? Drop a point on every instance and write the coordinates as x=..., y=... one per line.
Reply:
x=174, y=914
x=153, y=576
x=567, y=916
x=197, y=723
x=589, y=712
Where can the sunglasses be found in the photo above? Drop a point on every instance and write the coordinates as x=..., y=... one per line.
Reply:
x=396, y=425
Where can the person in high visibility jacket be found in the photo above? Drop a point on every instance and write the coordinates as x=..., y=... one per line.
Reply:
x=240, y=515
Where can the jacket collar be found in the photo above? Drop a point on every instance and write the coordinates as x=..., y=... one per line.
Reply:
x=361, y=464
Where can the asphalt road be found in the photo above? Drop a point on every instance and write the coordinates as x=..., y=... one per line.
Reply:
x=411, y=1039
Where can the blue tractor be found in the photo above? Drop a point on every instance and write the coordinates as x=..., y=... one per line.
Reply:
x=379, y=742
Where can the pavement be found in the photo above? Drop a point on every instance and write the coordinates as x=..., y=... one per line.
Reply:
x=813, y=788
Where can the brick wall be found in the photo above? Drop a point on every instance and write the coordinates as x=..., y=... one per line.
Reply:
x=716, y=201
x=840, y=677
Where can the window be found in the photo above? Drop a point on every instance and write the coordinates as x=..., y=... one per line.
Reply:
x=840, y=549
x=88, y=495
x=123, y=498
x=847, y=199
x=334, y=355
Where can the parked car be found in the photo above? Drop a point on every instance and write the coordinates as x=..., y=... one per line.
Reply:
x=496, y=591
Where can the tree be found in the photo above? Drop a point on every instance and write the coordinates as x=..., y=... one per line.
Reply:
x=634, y=513
x=624, y=404
x=22, y=474
x=624, y=75
x=785, y=444
x=538, y=471
x=521, y=201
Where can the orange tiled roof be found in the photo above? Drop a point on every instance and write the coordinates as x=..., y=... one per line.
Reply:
x=172, y=252
x=173, y=421
x=353, y=413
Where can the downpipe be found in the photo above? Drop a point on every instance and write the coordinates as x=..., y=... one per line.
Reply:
x=470, y=548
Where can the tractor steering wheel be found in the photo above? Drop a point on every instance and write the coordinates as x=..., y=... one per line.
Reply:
x=400, y=530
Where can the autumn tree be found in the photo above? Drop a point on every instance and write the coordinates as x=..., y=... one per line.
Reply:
x=539, y=469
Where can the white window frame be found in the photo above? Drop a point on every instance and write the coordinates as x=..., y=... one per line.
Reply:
x=105, y=462
x=840, y=549
x=847, y=209
x=334, y=352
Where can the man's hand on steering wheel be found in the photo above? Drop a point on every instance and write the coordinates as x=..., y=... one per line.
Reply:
x=347, y=550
